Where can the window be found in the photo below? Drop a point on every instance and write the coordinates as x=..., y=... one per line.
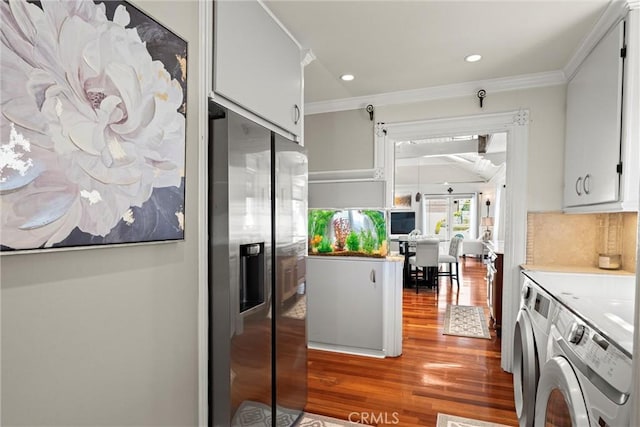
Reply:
x=447, y=216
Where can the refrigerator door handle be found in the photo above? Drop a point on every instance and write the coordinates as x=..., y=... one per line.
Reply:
x=372, y=276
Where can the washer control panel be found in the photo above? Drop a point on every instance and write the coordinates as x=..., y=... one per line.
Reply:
x=541, y=305
x=536, y=301
x=576, y=333
x=592, y=353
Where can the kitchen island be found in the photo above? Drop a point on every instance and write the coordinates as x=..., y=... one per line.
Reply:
x=354, y=305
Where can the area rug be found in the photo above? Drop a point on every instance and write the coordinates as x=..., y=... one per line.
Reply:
x=466, y=321
x=256, y=414
x=446, y=420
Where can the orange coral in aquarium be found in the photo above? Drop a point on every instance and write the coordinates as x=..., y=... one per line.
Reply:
x=341, y=228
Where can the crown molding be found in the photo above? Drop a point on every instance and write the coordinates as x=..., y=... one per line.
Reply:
x=502, y=84
x=615, y=11
x=307, y=57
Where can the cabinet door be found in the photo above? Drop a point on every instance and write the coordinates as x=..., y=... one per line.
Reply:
x=497, y=293
x=361, y=306
x=323, y=288
x=490, y=279
x=594, y=111
x=256, y=63
x=344, y=305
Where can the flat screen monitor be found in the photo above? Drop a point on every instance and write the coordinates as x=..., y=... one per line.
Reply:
x=403, y=222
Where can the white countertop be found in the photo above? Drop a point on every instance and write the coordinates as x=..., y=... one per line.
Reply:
x=606, y=301
x=355, y=258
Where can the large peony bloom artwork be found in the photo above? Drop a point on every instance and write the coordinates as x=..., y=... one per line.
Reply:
x=93, y=102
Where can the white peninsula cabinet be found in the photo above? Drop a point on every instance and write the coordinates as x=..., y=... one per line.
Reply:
x=354, y=305
x=601, y=152
x=256, y=63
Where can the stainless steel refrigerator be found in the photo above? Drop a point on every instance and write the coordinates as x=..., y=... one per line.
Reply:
x=257, y=296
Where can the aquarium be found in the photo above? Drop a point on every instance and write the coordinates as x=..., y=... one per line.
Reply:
x=348, y=232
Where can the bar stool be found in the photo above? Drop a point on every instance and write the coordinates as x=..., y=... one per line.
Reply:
x=451, y=258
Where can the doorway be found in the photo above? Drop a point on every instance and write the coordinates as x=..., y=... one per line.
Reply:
x=452, y=177
x=515, y=124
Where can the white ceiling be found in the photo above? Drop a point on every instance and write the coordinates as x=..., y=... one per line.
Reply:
x=396, y=45
x=440, y=161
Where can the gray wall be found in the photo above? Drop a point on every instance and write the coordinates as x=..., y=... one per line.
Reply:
x=546, y=135
x=340, y=195
x=109, y=336
x=339, y=141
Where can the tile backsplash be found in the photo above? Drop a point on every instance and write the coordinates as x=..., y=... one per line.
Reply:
x=629, y=240
x=555, y=238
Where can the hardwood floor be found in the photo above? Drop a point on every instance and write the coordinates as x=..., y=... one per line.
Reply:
x=436, y=373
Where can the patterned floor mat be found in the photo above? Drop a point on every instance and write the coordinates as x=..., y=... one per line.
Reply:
x=256, y=414
x=466, y=321
x=446, y=420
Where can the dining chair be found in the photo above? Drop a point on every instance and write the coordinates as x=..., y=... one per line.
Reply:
x=451, y=258
x=426, y=258
x=414, y=235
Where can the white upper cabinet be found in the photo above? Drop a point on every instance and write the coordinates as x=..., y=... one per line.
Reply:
x=256, y=64
x=594, y=114
x=600, y=151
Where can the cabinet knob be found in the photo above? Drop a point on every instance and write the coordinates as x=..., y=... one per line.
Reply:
x=578, y=182
x=576, y=333
x=296, y=114
x=586, y=183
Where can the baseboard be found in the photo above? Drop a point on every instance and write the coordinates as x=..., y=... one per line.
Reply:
x=346, y=350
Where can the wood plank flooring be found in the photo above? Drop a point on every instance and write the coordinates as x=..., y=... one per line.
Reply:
x=436, y=373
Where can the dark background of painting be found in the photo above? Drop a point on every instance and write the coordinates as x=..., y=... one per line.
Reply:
x=162, y=44
x=156, y=219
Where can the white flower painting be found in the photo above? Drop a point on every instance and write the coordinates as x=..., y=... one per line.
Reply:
x=92, y=151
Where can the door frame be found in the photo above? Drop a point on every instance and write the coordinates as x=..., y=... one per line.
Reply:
x=516, y=124
x=205, y=73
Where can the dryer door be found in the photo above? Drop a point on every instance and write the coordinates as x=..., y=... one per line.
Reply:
x=559, y=401
x=525, y=369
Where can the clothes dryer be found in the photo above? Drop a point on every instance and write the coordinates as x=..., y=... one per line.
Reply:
x=530, y=340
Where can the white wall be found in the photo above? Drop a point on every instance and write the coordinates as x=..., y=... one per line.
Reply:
x=546, y=140
x=109, y=336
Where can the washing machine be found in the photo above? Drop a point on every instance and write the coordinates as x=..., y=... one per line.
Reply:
x=587, y=378
x=531, y=333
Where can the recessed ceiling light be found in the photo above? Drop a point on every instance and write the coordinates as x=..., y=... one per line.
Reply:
x=347, y=77
x=473, y=58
